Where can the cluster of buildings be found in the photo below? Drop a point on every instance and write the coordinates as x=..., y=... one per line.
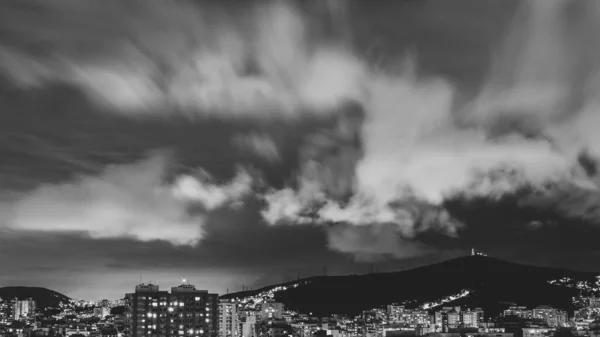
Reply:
x=587, y=316
x=15, y=309
x=542, y=314
x=20, y=318
x=185, y=311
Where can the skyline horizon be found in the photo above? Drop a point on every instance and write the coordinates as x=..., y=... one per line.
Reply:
x=370, y=271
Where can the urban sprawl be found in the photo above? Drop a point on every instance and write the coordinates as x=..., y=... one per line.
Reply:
x=186, y=311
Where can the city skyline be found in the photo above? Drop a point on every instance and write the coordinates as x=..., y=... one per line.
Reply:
x=420, y=302
x=243, y=144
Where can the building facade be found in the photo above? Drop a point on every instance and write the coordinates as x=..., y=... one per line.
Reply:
x=271, y=310
x=22, y=309
x=518, y=311
x=185, y=311
x=248, y=322
x=228, y=319
x=551, y=316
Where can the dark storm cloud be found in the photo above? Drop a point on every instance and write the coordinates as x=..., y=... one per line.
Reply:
x=525, y=226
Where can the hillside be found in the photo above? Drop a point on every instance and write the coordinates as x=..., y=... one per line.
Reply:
x=473, y=281
x=43, y=297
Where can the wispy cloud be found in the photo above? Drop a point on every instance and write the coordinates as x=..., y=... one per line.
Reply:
x=261, y=145
x=210, y=60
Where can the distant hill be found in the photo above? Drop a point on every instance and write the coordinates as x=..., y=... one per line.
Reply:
x=472, y=281
x=43, y=297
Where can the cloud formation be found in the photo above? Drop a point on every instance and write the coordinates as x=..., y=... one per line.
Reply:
x=261, y=145
x=401, y=144
x=127, y=201
x=419, y=144
x=210, y=60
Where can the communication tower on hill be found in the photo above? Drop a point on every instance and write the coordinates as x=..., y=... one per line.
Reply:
x=475, y=252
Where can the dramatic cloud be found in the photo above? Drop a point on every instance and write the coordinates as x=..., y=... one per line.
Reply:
x=400, y=143
x=126, y=201
x=420, y=145
x=197, y=58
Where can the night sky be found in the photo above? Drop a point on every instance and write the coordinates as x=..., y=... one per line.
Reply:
x=245, y=143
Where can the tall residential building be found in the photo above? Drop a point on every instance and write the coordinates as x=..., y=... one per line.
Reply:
x=183, y=312
x=480, y=315
x=144, y=313
x=249, y=327
x=550, y=315
x=469, y=318
x=248, y=322
x=453, y=319
x=23, y=309
x=271, y=310
x=101, y=312
x=395, y=312
x=228, y=319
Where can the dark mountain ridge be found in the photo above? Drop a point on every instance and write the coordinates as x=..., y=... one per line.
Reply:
x=491, y=284
x=44, y=298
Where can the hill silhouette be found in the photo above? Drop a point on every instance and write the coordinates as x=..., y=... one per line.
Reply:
x=492, y=284
x=44, y=298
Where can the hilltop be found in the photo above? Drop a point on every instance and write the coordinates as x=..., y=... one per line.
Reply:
x=471, y=281
x=44, y=297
